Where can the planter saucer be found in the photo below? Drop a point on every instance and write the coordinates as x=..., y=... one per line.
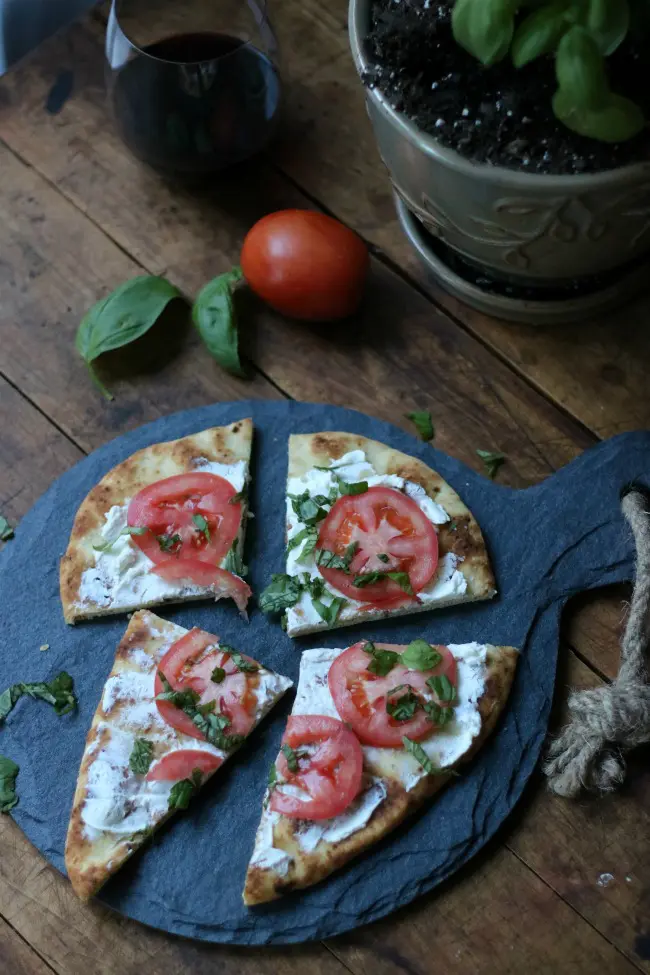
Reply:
x=513, y=302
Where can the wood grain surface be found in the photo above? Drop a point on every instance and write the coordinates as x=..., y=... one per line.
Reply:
x=78, y=215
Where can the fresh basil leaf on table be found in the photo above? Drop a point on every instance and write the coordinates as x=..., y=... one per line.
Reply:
x=214, y=315
x=122, y=317
x=423, y=423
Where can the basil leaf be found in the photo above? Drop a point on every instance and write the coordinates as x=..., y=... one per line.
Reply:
x=308, y=535
x=273, y=777
x=141, y=756
x=218, y=675
x=492, y=461
x=245, y=666
x=382, y=661
x=443, y=688
x=238, y=498
x=346, y=487
x=6, y=531
x=404, y=707
x=329, y=613
x=169, y=543
x=214, y=315
x=330, y=560
x=401, y=578
x=368, y=578
x=8, y=774
x=59, y=693
x=291, y=757
x=136, y=530
x=423, y=424
x=419, y=754
x=315, y=587
x=307, y=509
x=283, y=592
x=433, y=711
x=419, y=655
x=233, y=561
x=202, y=526
x=120, y=318
x=182, y=792
x=403, y=581
x=383, y=557
x=212, y=725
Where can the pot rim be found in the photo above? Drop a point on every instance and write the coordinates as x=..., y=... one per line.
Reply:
x=357, y=19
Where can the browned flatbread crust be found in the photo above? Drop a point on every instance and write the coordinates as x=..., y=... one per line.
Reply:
x=460, y=536
x=224, y=445
x=309, y=868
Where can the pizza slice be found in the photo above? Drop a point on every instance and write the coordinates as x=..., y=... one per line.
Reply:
x=175, y=707
x=375, y=732
x=165, y=525
x=371, y=533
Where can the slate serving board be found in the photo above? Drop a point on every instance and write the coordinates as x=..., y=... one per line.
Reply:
x=546, y=542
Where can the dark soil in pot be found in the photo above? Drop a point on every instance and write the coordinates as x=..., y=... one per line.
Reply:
x=498, y=115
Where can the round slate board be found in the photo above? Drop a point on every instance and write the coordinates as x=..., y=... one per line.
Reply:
x=546, y=542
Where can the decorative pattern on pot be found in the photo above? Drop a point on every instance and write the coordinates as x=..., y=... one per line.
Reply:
x=517, y=224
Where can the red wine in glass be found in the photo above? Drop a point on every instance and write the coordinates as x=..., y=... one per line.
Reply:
x=195, y=103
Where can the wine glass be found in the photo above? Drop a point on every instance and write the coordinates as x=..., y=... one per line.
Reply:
x=194, y=86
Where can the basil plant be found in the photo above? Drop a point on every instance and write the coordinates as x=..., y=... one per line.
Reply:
x=580, y=33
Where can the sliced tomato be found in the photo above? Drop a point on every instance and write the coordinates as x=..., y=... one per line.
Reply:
x=179, y=765
x=223, y=584
x=391, y=533
x=330, y=776
x=360, y=697
x=190, y=516
x=188, y=665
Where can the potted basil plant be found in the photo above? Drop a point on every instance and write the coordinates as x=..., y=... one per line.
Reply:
x=516, y=133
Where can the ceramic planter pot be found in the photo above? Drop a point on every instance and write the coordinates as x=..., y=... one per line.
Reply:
x=526, y=228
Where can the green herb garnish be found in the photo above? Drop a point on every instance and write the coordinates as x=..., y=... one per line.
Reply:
x=492, y=461
x=233, y=561
x=382, y=661
x=383, y=557
x=402, y=708
x=246, y=666
x=291, y=757
x=218, y=675
x=309, y=510
x=169, y=543
x=182, y=792
x=439, y=715
x=238, y=498
x=202, y=526
x=330, y=560
x=141, y=756
x=346, y=487
x=443, y=688
x=421, y=419
x=308, y=535
x=369, y=578
x=136, y=530
x=6, y=531
x=209, y=722
x=419, y=655
x=330, y=613
x=283, y=592
x=59, y=693
x=8, y=774
x=421, y=757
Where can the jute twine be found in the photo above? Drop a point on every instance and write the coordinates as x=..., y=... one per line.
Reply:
x=608, y=721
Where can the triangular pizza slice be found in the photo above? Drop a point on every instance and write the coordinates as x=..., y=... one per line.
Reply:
x=165, y=525
x=376, y=730
x=175, y=707
x=371, y=533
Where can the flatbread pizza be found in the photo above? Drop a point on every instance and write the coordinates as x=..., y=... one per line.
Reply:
x=165, y=525
x=176, y=705
x=371, y=533
x=375, y=732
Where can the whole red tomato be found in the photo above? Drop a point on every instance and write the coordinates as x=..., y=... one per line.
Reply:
x=305, y=264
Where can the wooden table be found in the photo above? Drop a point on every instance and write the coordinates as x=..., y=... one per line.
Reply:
x=78, y=216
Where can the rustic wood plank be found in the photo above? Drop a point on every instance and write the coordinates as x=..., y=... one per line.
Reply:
x=16, y=957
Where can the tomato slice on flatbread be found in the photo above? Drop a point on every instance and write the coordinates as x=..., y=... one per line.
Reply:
x=180, y=764
x=390, y=534
x=360, y=697
x=329, y=774
x=223, y=584
x=190, y=516
x=190, y=664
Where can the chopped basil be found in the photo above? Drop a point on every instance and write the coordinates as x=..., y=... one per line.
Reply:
x=402, y=708
x=141, y=756
x=202, y=526
x=308, y=535
x=273, y=777
x=346, y=487
x=382, y=661
x=329, y=613
x=182, y=792
x=136, y=530
x=6, y=531
x=419, y=655
x=211, y=724
x=330, y=560
x=291, y=757
x=314, y=587
x=419, y=754
x=8, y=774
x=169, y=543
x=217, y=675
x=284, y=621
x=233, y=561
x=440, y=716
x=423, y=424
x=492, y=461
x=59, y=693
x=443, y=688
x=238, y=498
x=383, y=557
x=307, y=509
x=246, y=666
x=369, y=578
x=283, y=592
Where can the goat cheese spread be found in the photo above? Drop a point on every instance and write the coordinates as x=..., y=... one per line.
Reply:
x=121, y=577
x=447, y=585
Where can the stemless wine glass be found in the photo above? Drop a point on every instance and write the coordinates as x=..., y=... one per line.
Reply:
x=194, y=86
